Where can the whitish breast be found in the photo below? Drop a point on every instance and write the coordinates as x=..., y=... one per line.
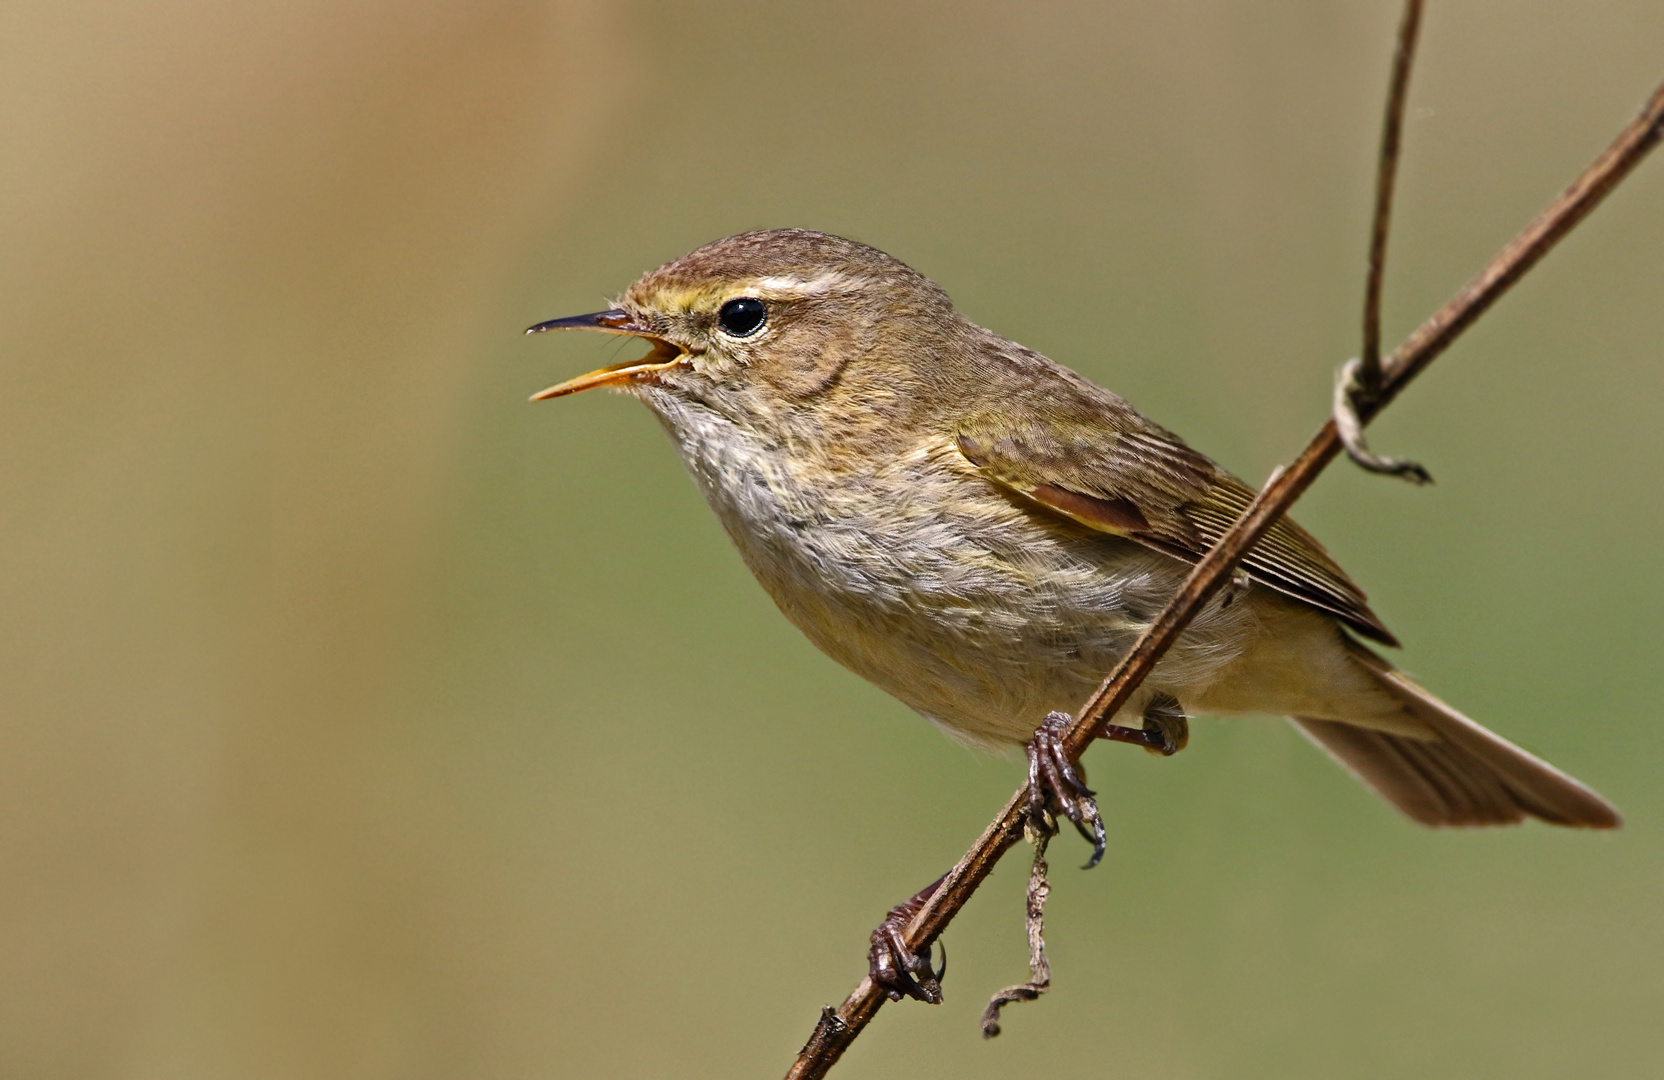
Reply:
x=922, y=578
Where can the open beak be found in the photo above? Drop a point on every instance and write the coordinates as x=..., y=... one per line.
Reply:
x=665, y=354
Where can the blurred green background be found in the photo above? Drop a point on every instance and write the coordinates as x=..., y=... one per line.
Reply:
x=362, y=720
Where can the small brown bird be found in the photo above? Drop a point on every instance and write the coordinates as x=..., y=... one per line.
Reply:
x=984, y=533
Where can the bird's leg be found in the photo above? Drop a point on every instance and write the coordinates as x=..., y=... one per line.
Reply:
x=897, y=969
x=1053, y=778
x=1166, y=728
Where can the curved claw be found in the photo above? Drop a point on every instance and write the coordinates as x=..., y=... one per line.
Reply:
x=1053, y=778
x=1097, y=838
x=898, y=970
x=903, y=973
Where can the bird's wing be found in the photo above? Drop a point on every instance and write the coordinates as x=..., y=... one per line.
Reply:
x=1130, y=478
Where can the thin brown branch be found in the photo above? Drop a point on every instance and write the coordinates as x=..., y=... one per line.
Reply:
x=839, y=1028
x=1386, y=175
x=1360, y=379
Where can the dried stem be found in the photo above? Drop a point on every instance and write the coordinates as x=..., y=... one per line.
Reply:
x=839, y=1028
x=1386, y=174
x=1039, y=970
x=1360, y=380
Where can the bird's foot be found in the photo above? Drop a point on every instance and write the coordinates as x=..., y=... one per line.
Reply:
x=1166, y=728
x=1053, y=778
x=900, y=971
x=1164, y=718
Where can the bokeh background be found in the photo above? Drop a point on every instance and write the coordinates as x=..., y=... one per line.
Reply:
x=362, y=720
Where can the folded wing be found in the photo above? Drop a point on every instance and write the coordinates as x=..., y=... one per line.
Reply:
x=1120, y=474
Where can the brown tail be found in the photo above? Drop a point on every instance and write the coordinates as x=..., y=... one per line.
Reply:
x=1461, y=774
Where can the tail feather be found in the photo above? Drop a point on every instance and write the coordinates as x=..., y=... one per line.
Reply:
x=1461, y=773
x=1423, y=779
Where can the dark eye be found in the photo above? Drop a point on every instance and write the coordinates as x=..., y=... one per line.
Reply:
x=743, y=317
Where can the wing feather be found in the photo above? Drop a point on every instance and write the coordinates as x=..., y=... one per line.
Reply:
x=1119, y=474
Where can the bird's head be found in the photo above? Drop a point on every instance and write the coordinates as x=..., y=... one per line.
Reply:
x=769, y=322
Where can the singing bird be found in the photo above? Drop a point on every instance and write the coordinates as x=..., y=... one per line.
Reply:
x=983, y=533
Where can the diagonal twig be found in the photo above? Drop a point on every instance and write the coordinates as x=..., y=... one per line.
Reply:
x=839, y=1027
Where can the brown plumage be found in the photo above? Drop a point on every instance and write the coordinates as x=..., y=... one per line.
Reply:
x=1149, y=486
x=983, y=533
